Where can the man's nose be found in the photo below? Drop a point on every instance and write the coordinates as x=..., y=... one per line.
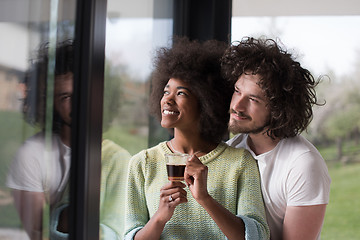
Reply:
x=239, y=104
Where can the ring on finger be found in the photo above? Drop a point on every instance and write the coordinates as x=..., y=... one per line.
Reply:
x=170, y=198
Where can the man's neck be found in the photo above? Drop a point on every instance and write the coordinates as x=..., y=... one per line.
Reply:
x=261, y=143
x=65, y=135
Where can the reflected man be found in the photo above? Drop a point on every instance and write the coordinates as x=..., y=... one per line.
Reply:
x=40, y=175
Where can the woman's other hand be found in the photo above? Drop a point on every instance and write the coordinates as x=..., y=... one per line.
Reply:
x=196, y=175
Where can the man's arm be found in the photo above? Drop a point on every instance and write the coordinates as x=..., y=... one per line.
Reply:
x=303, y=222
x=30, y=208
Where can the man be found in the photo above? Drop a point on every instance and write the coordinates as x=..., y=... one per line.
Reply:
x=40, y=169
x=39, y=173
x=271, y=106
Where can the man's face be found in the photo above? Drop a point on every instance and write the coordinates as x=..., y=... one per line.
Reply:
x=248, y=108
x=63, y=91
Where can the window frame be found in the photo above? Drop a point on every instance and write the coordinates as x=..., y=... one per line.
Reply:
x=87, y=119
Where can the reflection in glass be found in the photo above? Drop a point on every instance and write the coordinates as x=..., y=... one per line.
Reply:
x=131, y=36
x=130, y=45
x=35, y=115
x=39, y=171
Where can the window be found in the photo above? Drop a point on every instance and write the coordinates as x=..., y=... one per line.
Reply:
x=132, y=37
x=30, y=137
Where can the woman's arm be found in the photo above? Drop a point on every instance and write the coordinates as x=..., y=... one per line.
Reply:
x=196, y=177
x=232, y=226
x=154, y=227
x=138, y=223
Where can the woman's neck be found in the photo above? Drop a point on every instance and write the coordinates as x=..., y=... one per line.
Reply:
x=193, y=145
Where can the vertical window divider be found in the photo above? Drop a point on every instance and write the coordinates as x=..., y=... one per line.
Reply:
x=87, y=109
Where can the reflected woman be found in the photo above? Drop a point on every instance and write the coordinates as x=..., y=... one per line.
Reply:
x=220, y=196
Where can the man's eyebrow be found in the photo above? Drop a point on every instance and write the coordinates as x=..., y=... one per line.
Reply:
x=253, y=95
x=257, y=96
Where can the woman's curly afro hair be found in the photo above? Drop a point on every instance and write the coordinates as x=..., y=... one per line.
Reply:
x=198, y=64
x=289, y=88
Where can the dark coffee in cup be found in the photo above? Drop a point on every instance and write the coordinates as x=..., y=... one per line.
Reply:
x=175, y=166
x=175, y=172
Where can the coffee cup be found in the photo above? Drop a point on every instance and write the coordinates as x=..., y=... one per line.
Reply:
x=175, y=166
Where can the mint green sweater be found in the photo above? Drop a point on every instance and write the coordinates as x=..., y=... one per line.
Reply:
x=114, y=163
x=233, y=181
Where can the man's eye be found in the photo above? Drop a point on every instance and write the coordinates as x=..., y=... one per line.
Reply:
x=253, y=99
x=64, y=98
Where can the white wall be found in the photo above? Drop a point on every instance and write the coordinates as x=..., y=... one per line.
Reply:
x=295, y=7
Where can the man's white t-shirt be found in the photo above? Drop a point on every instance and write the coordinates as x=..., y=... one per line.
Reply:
x=292, y=174
x=38, y=168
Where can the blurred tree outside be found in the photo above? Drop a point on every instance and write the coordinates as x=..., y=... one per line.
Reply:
x=113, y=94
x=125, y=112
x=338, y=121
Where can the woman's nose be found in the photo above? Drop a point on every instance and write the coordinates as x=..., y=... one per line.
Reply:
x=169, y=98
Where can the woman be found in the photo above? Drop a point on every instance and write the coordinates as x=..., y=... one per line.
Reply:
x=221, y=196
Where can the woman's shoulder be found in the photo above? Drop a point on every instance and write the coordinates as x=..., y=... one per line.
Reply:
x=236, y=150
x=150, y=153
x=238, y=153
x=110, y=148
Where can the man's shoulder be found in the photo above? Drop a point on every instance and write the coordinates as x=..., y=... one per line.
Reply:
x=237, y=141
x=35, y=143
x=299, y=144
x=39, y=139
x=298, y=152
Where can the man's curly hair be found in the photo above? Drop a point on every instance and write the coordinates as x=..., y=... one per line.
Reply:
x=289, y=88
x=36, y=80
x=198, y=64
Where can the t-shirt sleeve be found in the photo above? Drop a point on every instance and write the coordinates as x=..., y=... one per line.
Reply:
x=25, y=170
x=308, y=182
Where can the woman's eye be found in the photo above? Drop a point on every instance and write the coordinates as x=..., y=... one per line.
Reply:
x=166, y=92
x=185, y=94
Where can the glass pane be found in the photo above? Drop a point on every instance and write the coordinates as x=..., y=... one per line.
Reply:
x=133, y=31
x=328, y=45
x=35, y=106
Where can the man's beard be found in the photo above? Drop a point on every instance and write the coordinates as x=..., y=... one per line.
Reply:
x=235, y=128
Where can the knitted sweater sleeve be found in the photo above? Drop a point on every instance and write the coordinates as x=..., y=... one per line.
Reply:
x=250, y=205
x=136, y=213
x=114, y=163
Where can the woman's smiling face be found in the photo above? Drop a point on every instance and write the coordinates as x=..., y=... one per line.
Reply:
x=179, y=106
